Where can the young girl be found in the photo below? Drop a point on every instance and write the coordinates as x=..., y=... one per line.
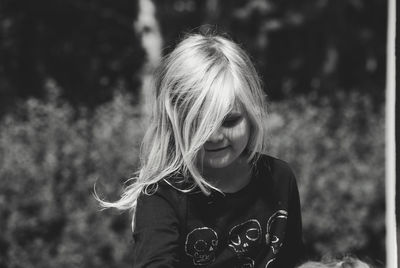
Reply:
x=206, y=195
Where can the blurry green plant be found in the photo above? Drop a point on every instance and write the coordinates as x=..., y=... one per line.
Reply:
x=336, y=148
x=50, y=158
x=52, y=155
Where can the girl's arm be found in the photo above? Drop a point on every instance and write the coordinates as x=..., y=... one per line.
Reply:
x=156, y=233
x=293, y=250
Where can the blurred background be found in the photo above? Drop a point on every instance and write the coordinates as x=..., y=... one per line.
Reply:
x=74, y=78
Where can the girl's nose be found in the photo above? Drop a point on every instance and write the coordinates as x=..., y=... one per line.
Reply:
x=217, y=136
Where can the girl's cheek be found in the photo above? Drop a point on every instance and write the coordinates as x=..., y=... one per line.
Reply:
x=239, y=131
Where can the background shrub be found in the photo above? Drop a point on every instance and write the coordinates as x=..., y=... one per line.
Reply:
x=336, y=148
x=52, y=155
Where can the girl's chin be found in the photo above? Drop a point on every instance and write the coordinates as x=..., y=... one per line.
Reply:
x=217, y=161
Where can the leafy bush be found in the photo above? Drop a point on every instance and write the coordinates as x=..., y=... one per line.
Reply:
x=52, y=155
x=336, y=148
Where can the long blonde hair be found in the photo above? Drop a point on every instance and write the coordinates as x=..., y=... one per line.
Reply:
x=196, y=86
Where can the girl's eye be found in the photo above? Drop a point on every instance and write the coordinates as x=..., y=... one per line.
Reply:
x=231, y=121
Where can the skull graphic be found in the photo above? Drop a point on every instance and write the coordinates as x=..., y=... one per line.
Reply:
x=244, y=237
x=244, y=263
x=201, y=245
x=276, y=228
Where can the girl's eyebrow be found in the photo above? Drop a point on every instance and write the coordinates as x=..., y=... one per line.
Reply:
x=232, y=116
x=234, y=113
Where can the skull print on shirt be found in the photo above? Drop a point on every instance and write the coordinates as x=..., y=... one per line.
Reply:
x=201, y=245
x=244, y=262
x=276, y=229
x=245, y=236
x=243, y=239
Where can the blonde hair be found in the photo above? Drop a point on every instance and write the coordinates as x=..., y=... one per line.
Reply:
x=196, y=86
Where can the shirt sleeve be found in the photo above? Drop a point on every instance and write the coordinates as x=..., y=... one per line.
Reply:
x=292, y=251
x=156, y=232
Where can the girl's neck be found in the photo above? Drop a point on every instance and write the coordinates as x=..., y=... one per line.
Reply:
x=231, y=178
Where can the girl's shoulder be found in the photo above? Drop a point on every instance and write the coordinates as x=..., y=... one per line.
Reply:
x=179, y=184
x=276, y=173
x=274, y=165
x=173, y=188
x=162, y=196
x=279, y=182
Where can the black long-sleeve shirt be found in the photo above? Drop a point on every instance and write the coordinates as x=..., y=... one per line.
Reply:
x=258, y=226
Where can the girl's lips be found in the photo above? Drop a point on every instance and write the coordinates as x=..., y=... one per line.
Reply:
x=216, y=149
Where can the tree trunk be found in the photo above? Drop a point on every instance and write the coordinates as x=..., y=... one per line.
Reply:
x=147, y=28
x=212, y=12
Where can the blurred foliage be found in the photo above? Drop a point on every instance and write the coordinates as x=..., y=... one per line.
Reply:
x=298, y=46
x=50, y=159
x=336, y=147
x=89, y=47
x=51, y=155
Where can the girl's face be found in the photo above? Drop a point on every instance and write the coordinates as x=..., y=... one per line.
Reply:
x=226, y=144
